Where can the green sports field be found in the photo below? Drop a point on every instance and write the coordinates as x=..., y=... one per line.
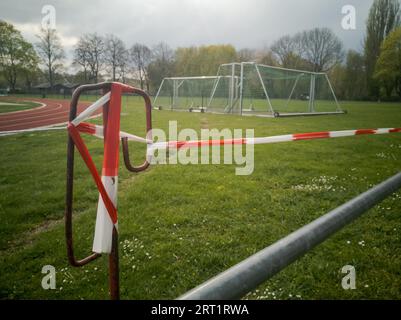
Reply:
x=255, y=106
x=180, y=225
x=7, y=105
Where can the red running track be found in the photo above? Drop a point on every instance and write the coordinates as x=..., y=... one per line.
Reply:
x=53, y=112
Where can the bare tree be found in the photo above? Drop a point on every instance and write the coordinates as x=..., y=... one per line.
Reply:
x=124, y=65
x=321, y=48
x=288, y=51
x=245, y=55
x=81, y=57
x=50, y=52
x=89, y=53
x=267, y=57
x=162, y=64
x=115, y=55
x=140, y=56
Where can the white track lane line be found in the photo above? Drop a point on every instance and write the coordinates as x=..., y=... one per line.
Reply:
x=44, y=112
x=42, y=105
x=35, y=121
x=38, y=110
x=5, y=132
x=23, y=122
x=35, y=115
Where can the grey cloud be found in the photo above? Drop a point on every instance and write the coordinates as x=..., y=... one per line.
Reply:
x=251, y=23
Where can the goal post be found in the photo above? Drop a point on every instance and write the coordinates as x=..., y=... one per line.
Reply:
x=185, y=93
x=249, y=88
x=276, y=91
x=225, y=96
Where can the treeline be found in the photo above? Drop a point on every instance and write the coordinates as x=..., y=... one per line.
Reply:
x=374, y=73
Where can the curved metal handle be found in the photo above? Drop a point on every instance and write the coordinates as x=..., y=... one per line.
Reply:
x=105, y=86
x=148, y=107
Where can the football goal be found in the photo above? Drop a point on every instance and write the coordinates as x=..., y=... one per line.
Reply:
x=249, y=88
x=184, y=93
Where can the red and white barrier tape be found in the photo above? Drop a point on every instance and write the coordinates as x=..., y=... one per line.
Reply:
x=106, y=218
x=98, y=131
x=272, y=139
x=107, y=183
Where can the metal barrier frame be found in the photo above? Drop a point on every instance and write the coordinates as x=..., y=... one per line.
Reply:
x=245, y=276
x=114, y=282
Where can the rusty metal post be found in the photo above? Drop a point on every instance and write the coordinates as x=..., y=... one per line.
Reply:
x=114, y=269
x=70, y=179
x=114, y=274
x=148, y=108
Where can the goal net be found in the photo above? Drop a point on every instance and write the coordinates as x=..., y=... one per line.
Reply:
x=268, y=90
x=248, y=88
x=184, y=93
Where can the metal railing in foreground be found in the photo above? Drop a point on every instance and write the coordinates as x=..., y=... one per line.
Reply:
x=245, y=276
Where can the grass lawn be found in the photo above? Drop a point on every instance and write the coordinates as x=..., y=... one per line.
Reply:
x=256, y=105
x=7, y=105
x=180, y=225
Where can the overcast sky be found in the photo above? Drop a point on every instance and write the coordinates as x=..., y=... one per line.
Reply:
x=243, y=23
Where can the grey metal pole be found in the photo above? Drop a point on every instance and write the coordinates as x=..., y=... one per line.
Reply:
x=264, y=89
x=251, y=272
x=334, y=95
x=158, y=92
x=241, y=92
x=293, y=89
x=310, y=93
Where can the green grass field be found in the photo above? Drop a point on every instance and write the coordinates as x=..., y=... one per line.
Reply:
x=219, y=105
x=7, y=105
x=180, y=225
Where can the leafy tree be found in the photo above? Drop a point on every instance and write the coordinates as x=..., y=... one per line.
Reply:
x=51, y=52
x=204, y=60
x=384, y=16
x=17, y=56
x=355, y=76
x=388, y=66
x=337, y=76
x=211, y=57
x=188, y=62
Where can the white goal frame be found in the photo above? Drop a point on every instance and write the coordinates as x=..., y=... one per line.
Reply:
x=234, y=78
